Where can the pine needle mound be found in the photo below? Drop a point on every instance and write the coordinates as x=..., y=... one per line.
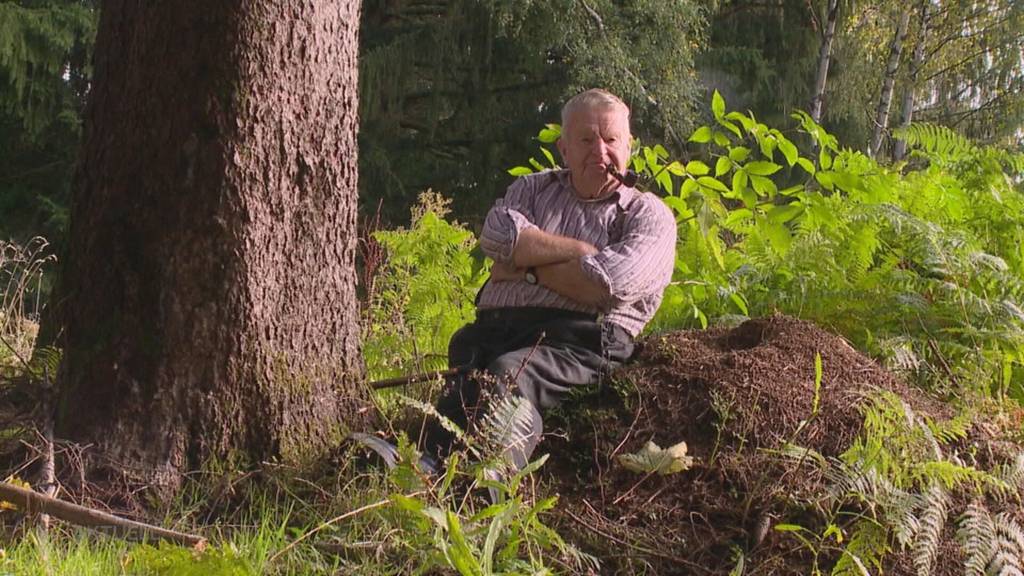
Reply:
x=743, y=400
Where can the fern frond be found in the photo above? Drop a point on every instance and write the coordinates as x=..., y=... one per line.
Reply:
x=1009, y=553
x=933, y=519
x=868, y=545
x=1012, y=473
x=430, y=410
x=937, y=141
x=45, y=362
x=977, y=537
x=508, y=427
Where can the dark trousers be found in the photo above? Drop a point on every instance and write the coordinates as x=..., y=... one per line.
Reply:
x=540, y=354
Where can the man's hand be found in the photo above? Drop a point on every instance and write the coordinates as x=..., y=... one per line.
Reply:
x=505, y=272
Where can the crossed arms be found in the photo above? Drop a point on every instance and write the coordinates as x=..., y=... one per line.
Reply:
x=556, y=260
x=637, y=265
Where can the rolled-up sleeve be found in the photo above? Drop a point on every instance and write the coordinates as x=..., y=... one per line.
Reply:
x=509, y=216
x=641, y=263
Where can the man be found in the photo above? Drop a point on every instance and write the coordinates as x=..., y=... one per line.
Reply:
x=580, y=265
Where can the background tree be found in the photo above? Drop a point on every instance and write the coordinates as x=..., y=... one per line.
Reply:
x=453, y=90
x=45, y=50
x=972, y=78
x=208, y=296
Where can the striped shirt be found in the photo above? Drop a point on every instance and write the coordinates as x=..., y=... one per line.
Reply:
x=634, y=232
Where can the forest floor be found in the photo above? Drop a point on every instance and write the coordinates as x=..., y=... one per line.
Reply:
x=743, y=400
x=768, y=411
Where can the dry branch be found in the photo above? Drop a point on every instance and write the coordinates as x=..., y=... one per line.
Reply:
x=35, y=503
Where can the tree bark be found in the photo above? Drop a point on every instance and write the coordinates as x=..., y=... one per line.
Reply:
x=824, y=57
x=900, y=149
x=208, y=294
x=885, y=97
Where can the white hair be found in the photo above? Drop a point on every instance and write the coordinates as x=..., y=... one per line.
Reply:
x=593, y=98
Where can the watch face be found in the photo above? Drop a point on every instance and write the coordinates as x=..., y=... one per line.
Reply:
x=531, y=278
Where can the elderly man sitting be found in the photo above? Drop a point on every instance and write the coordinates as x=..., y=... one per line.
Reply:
x=580, y=264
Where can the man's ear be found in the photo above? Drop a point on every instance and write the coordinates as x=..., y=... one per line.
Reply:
x=561, y=144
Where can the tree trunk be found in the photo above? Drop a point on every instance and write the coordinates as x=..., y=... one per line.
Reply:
x=885, y=98
x=824, y=57
x=208, y=294
x=900, y=149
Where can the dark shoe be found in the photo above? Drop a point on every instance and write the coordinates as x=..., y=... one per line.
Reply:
x=388, y=453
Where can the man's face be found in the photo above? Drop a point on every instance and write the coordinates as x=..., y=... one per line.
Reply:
x=592, y=139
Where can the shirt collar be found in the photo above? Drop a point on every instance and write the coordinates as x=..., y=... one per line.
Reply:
x=622, y=196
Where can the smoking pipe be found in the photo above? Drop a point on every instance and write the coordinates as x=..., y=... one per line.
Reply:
x=628, y=178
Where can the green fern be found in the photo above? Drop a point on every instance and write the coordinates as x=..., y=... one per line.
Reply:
x=936, y=140
x=867, y=547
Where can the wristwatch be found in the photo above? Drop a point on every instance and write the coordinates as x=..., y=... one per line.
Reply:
x=531, y=275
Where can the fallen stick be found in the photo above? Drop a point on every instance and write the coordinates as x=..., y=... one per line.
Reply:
x=415, y=378
x=36, y=503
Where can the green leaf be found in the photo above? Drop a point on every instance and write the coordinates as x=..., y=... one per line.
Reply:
x=721, y=139
x=731, y=127
x=743, y=119
x=494, y=531
x=749, y=198
x=739, y=181
x=778, y=236
x=697, y=168
x=520, y=171
x=676, y=169
x=528, y=469
x=717, y=105
x=689, y=185
x=807, y=165
x=739, y=153
x=788, y=149
x=702, y=135
x=722, y=166
x=824, y=159
x=651, y=158
x=550, y=157
x=763, y=186
x=784, y=213
x=661, y=151
x=826, y=178
x=550, y=134
x=537, y=165
x=788, y=527
x=406, y=503
x=665, y=181
x=460, y=554
x=761, y=168
x=739, y=302
x=817, y=389
x=678, y=206
x=712, y=183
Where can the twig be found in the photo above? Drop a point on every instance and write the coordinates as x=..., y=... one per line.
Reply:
x=528, y=356
x=414, y=378
x=942, y=360
x=633, y=487
x=47, y=476
x=348, y=514
x=35, y=503
x=640, y=549
x=15, y=352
